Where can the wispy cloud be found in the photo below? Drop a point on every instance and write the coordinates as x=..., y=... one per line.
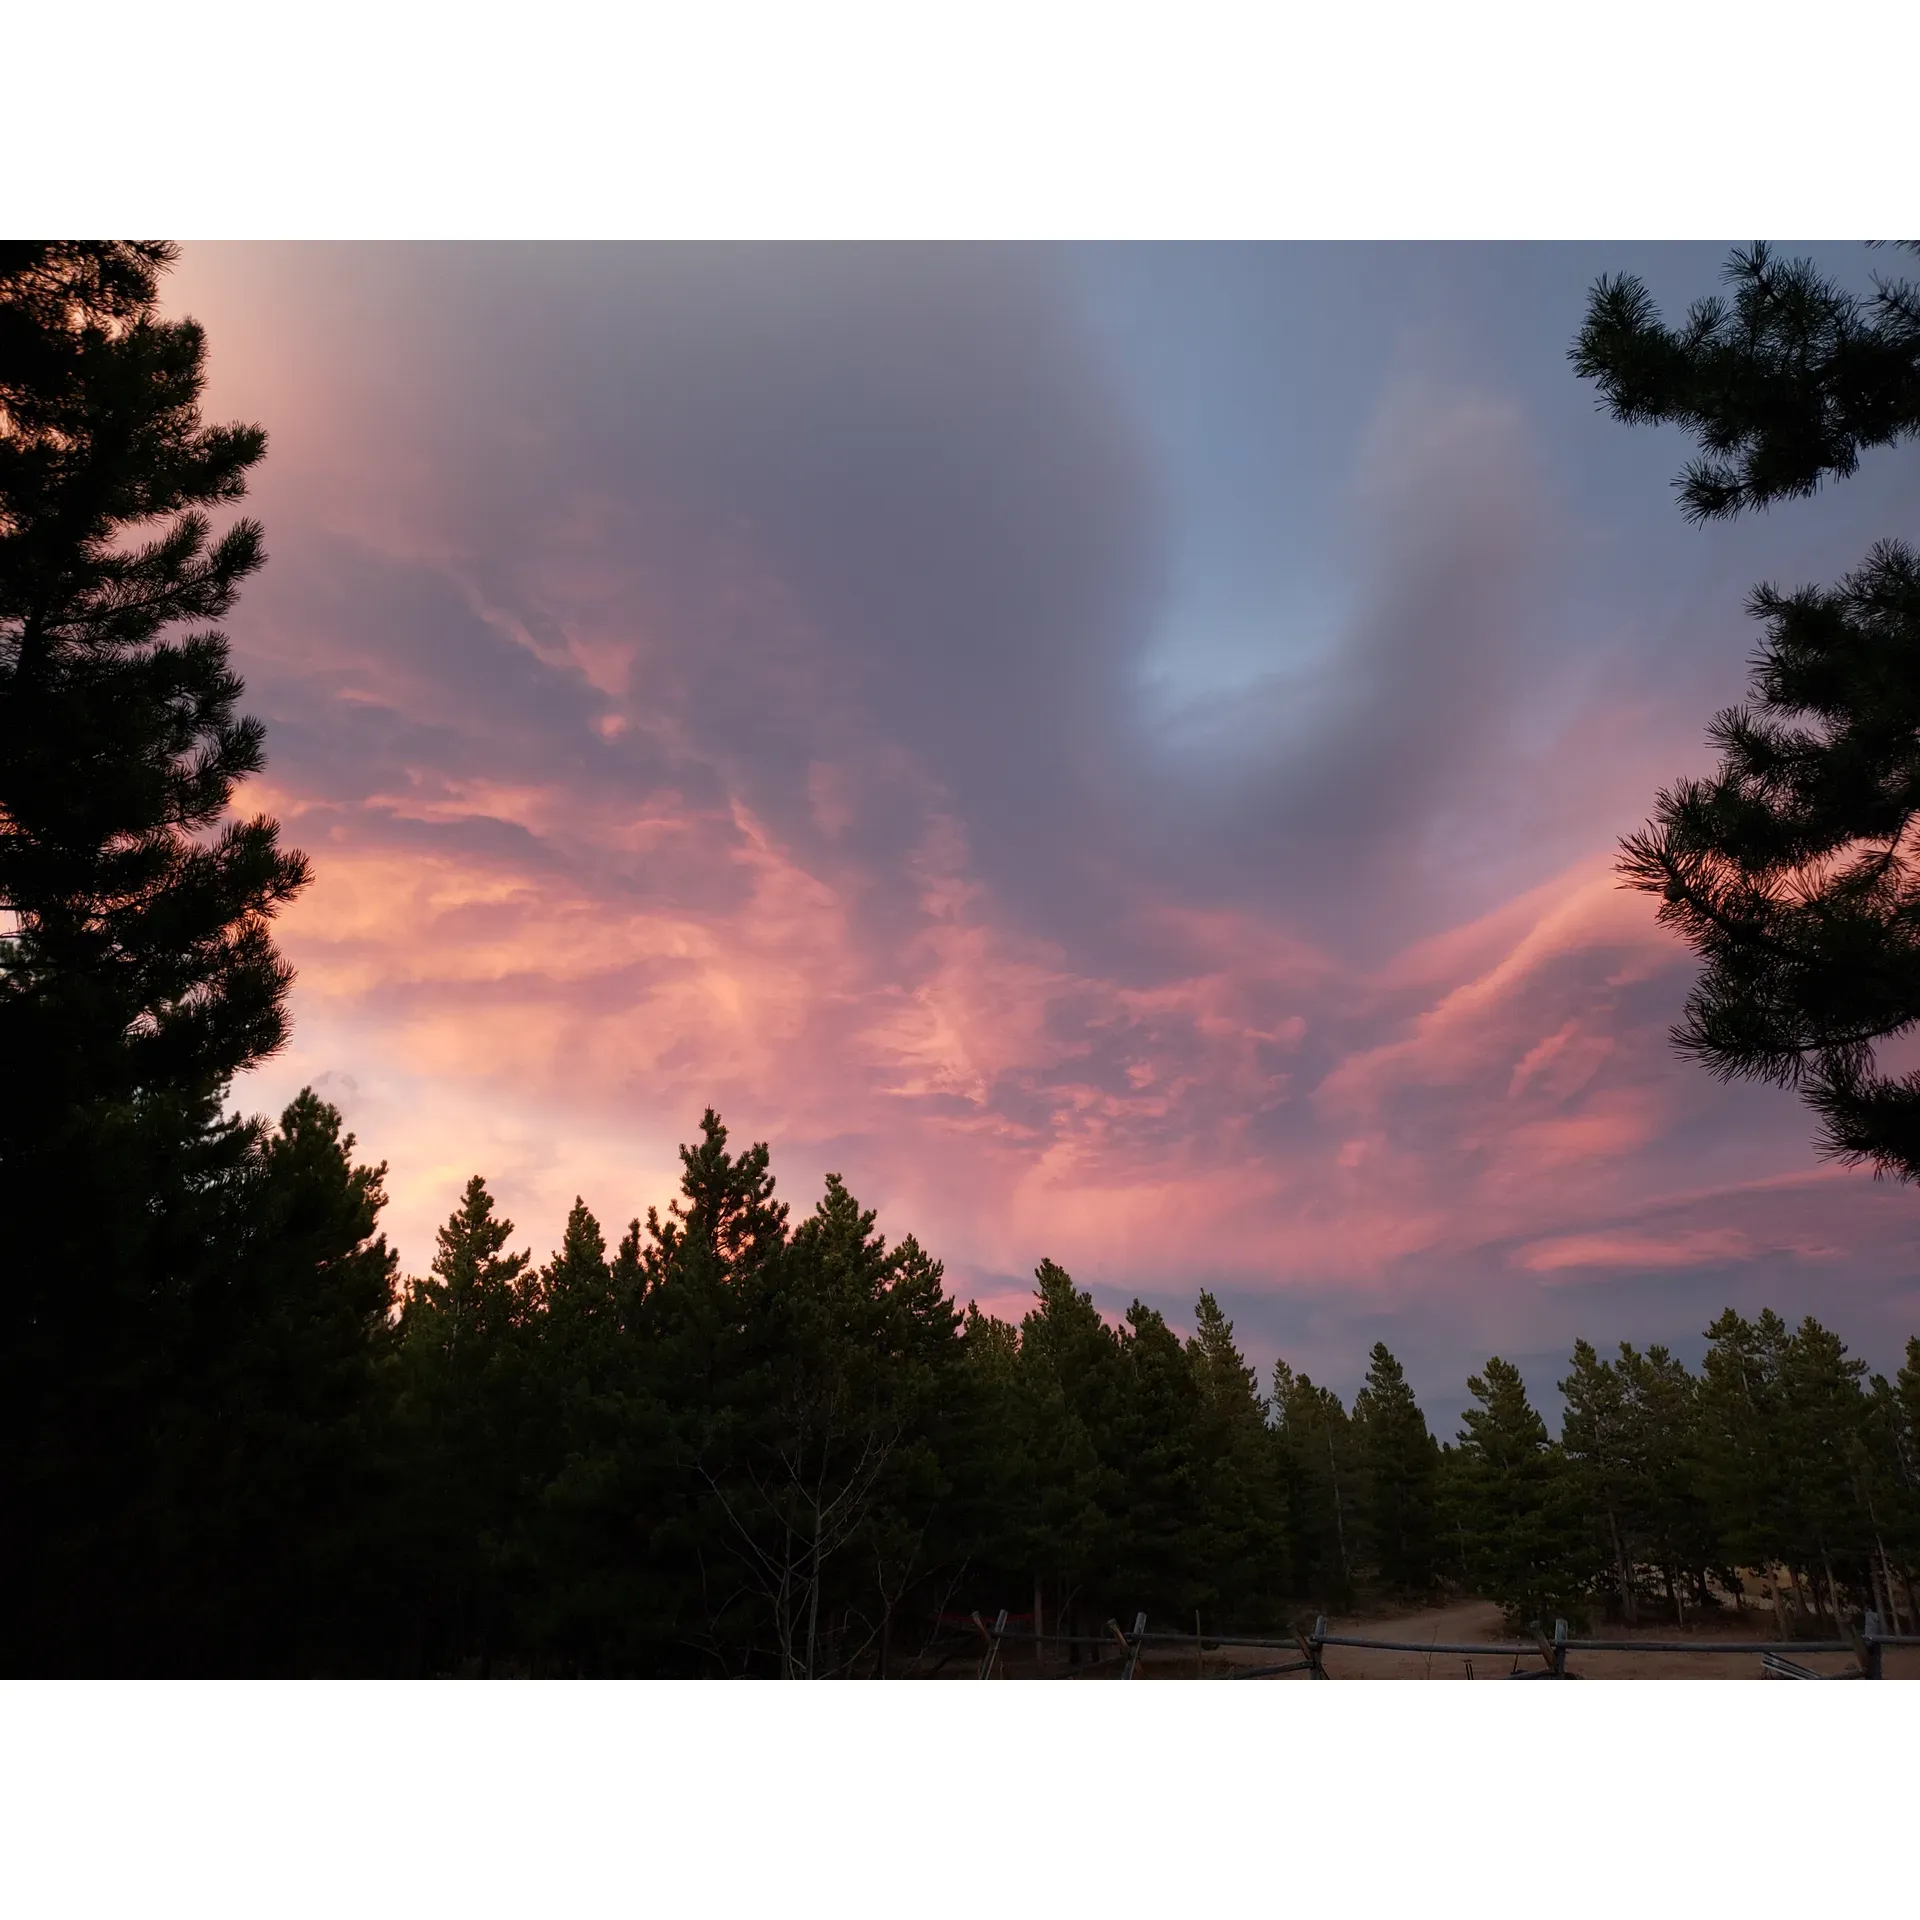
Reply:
x=716, y=676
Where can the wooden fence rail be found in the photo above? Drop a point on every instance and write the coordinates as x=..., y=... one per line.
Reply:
x=1124, y=1649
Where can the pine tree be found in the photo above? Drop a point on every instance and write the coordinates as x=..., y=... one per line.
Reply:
x=626, y=1275
x=1598, y=1436
x=822, y=1471
x=1326, y=1544
x=1791, y=872
x=1162, y=1562
x=1525, y=1544
x=137, y=975
x=576, y=1287
x=139, y=955
x=1070, y=1392
x=1241, y=1538
x=1399, y=1477
x=1670, y=1517
x=1895, y=1426
x=465, y=1374
x=725, y=1222
x=1019, y=1512
x=1825, y=1421
x=1744, y=1445
x=275, y=1531
x=473, y=1292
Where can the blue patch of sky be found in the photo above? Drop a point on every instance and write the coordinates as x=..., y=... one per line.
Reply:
x=1255, y=371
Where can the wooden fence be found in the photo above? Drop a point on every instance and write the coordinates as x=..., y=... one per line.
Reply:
x=1120, y=1650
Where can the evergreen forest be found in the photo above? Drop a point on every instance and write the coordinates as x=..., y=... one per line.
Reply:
x=734, y=1438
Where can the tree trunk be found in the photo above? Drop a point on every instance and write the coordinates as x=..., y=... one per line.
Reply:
x=1779, y=1610
x=813, y=1596
x=1833, y=1592
x=1800, y=1605
x=1893, y=1599
x=1039, y=1644
x=1620, y=1571
x=1339, y=1515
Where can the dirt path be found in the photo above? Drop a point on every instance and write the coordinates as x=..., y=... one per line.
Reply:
x=1479, y=1620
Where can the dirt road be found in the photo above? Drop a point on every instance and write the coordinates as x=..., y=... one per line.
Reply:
x=1480, y=1621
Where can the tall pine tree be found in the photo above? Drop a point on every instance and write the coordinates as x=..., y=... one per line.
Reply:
x=1399, y=1477
x=1791, y=871
x=137, y=971
x=1525, y=1544
x=467, y=1380
x=1242, y=1532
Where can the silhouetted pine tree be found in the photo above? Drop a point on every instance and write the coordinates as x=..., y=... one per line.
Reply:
x=1784, y=386
x=137, y=975
x=467, y=1410
x=1670, y=1518
x=1791, y=871
x=821, y=1475
x=1326, y=1540
x=1242, y=1511
x=1825, y=1415
x=1160, y=1560
x=1071, y=1391
x=276, y=1540
x=1897, y=1483
x=575, y=1288
x=1399, y=1477
x=1601, y=1448
x=1525, y=1543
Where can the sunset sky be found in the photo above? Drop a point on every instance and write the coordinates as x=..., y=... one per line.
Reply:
x=1117, y=751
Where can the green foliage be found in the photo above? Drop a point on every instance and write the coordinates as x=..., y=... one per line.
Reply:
x=465, y=1393
x=1242, y=1509
x=1399, y=1478
x=1632, y=1437
x=1784, y=385
x=139, y=956
x=173, y=1271
x=1519, y=1505
x=1791, y=870
x=822, y=1472
x=1793, y=1450
x=1320, y=1479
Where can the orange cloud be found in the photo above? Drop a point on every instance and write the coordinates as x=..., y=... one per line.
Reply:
x=1636, y=1250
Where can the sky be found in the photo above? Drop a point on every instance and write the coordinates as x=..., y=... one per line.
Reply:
x=1117, y=751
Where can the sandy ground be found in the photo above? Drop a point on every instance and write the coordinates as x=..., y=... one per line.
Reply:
x=1479, y=1620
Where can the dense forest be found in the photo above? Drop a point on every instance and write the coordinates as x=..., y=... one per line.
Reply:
x=238, y=1441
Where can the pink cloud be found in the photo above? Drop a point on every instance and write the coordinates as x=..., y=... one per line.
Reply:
x=1702, y=1248
x=637, y=787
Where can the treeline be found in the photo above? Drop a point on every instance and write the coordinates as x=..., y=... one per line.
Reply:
x=738, y=1445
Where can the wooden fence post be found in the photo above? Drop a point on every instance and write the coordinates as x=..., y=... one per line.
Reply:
x=993, y=1642
x=1873, y=1666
